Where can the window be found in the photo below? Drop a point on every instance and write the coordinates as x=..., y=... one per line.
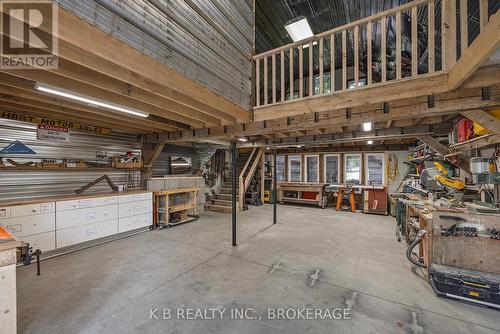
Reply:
x=280, y=168
x=332, y=170
x=312, y=168
x=352, y=168
x=375, y=169
x=294, y=168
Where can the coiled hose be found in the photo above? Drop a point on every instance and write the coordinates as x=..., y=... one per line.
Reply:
x=409, y=251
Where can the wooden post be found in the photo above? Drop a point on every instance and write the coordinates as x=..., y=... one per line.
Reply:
x=483, y=13
x=344, y=59
x=282, y=74
x=263, y=174
x=266, y=93
x=332, y=63
x=383, y=46
x=257, y=82
x=311, y=69
x=291, y=74
x=398, y=45
x=369, y=61
x=431, y=37
x=449, y=34
x=356, y=56
x=301, y=71
x=273, y=80
x=464, y=29
x=414, y=41
x=321, y=66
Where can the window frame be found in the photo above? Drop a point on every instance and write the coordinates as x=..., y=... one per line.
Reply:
x=338, y=166
x=289, y=163
x=360, y=155
x=367, y=175
x=306, y=172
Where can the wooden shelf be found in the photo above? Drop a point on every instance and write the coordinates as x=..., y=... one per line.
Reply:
x=478, y=142
x=88, y=169
x=181, y=207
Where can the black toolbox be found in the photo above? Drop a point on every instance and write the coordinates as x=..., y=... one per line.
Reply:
x=466, y=285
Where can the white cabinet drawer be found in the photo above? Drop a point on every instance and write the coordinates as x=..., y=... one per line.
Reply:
x=134, y=222
x=75, y=235
x=136, y=198
x=44, y=242
x=135, y=208
x=4, y=213
x=86, y=203
x=30, y=225
x=32, y=209
x=73, y=218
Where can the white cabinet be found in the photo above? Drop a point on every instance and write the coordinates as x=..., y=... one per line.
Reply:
x=136, y=198
x=135, y=208
x=29, y=225
x=86, y=203
x=4, y=213
x=75, y=235
x=135, y=222
x=44, y=241
x=79, y=217
x=32, y=209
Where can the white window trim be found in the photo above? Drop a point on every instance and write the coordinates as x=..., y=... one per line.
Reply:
x=307, y=169
x=284, y=167
x=289, y=163
x=383, y=167
x=338, y=166
x=360, y=166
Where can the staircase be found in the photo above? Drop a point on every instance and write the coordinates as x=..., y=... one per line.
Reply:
x=223, y=199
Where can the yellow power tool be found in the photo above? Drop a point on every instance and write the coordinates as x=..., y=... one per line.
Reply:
x=436, y=178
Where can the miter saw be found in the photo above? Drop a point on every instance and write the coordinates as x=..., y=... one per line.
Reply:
x=436, y=179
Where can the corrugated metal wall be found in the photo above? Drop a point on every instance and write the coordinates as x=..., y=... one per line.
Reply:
x=208, y=41
x=33, y=184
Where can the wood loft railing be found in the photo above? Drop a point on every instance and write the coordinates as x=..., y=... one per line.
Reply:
x=429, y=29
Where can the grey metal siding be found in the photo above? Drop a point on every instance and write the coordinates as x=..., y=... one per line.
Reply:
x=208, y=41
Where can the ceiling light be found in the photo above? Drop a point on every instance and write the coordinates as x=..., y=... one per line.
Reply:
x=87, y=100
x=367, y=126
x=243, y=139
x=305, y=46
x=299, y=146
x=299, y=29
x=370, y=142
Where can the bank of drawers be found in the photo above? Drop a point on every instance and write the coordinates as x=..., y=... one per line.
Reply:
x=35, y=222
x=48, y=226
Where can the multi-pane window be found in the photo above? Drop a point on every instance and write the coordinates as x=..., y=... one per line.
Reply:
x=352, y=168
x=312, y=168
x=375, y=166
x=294, y=168
x=332, y=169
x=280, y=168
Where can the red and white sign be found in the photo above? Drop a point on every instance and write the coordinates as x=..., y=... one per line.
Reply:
x=53, y=133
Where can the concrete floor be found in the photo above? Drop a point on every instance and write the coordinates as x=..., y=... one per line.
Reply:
x=362, y=268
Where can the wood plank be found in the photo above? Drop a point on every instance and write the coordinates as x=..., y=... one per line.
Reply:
x=484, y=119
x=152, y=156
x=442, y=150
x=464, y=26
x=257, y=82
x=301, y=71
x=383, y=46
x=321, y=60
x=369, y=61
x=344, y=59
x=477, y=53
x=449, y=33
x=332, y=63
x=282, y=74
x=273, y=78
x=356, y=56
x=292, y=74
x=431, y=36
x=266, y=80
x=414, y=41
x=483, y=14
x=311, y=69
x=398, y=45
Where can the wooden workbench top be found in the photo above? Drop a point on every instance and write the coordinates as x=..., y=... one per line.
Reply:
x=70, y=197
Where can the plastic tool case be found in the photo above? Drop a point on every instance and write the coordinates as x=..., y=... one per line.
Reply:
x=466, y=285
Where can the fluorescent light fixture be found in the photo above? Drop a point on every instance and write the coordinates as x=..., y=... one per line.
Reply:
x=367, y=126
x=299, y=146
x=90, y=101
x=370, y=142
x=242, y=139
x=305, y=46
x=299, y=29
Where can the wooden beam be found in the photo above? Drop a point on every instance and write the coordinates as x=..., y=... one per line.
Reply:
x=414, y=41
x=301, y=71
x=449, y=33
x=431, y=36
x=344, y=60
x=443, y=150
x=389, y=123
x=153, y=155
x=383, y=46
x=484, y=119
x=398, y=45
x=321, y=61
x=369, y=61
x=311, y=69
x=292, y=73
x=478, y=142
x=477, y=53
x=282, y=75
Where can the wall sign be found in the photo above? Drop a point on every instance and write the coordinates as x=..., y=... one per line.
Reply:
x=53, y=133
x=58, y=123
x=17, y=148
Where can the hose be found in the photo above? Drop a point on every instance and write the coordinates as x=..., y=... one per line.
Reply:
x=409, y=251
x=392, y=167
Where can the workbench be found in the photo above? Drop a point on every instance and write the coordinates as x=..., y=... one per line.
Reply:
x=307, y=193
x=182, y=201
x=8, y=302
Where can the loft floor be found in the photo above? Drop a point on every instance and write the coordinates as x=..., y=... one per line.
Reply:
x=112, y=288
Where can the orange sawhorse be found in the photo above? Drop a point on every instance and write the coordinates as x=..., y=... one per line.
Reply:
x=352, y=199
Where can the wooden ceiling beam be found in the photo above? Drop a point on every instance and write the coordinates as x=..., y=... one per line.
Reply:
x=446, y=103
x=484, y=119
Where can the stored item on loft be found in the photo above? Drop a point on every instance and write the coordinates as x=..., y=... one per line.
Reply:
x=127, y=161
x=465, y=129
x=17, y=164
x=68, y=163
x=93, y=183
